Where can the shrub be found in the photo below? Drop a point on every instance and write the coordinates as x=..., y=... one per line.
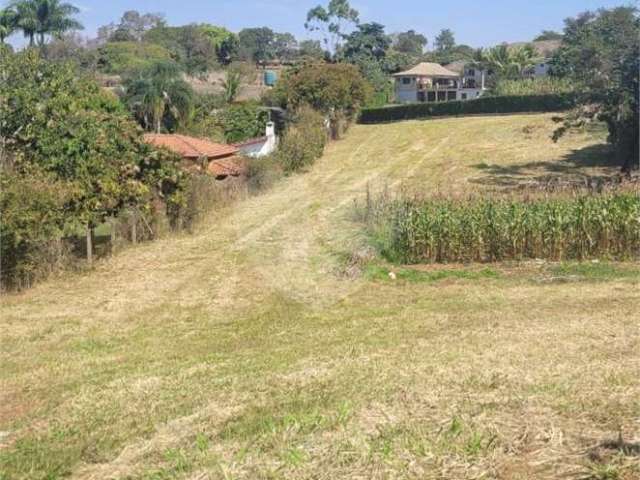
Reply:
x=483, y=105
x=263, y=172
x=558, y=227
x=303, y=142
x=533, y=86
x=32, y=207
x=242, y=121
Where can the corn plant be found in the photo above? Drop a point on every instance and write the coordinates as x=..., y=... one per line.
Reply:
x=486, y=229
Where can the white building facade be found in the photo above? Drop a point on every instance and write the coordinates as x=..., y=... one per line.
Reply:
x=432, y=83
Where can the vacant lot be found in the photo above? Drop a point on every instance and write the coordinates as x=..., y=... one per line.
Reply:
x=254, y=349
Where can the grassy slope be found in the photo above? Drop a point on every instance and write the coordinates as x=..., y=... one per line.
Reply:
x=242, y=351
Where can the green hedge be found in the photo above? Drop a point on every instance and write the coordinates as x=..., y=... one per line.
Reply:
x=486, y=105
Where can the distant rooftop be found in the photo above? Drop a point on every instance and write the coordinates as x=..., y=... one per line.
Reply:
x=427, y=69
x=190, y=147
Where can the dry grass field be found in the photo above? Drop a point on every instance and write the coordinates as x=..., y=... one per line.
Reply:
x=264, y=346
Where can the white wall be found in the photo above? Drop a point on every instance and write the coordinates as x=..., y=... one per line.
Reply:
x=262, y=148
x=406, y=93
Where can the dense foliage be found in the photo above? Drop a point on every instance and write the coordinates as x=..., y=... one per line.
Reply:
x=159, y=97
x=336, y=90
x=495, y=229
x=601, y=51
x=127, y=57
x=303, y=142
x=61, y=130
x=483, y=105
x=534, y=86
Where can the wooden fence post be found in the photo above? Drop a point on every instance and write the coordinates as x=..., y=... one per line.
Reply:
x=134, y=228
x=113, y=235
x=89, y=245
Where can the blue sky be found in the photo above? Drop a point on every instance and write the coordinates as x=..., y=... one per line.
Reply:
x=475, y=22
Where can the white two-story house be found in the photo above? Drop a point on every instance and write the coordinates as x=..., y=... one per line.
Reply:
x=431, y=82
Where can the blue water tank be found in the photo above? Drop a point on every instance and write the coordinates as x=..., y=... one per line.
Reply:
x=270, y=78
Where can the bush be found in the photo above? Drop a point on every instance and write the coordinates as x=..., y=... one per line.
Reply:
x=559, y=227
x=32, y=209
x=242, y=121
x=263, y=173
x=303, y=142
x=483, y=105
x=533, y=86
x=126, y=57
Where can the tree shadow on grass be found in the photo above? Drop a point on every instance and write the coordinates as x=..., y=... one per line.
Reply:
x=593, y=165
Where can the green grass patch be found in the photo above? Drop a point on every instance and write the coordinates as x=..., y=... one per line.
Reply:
x=599, y=271
x=381, y=273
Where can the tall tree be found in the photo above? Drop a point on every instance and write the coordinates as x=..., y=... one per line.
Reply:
x=509, y=62
x=445, y=40
x=600, y=51
x=409, y=42
x=257, y=44
x=332, y=21
x=159, y=96
x=8, y=19
x=368, y=40
x=42, y=18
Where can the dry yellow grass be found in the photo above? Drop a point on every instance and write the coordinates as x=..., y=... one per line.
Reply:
x=244, y=351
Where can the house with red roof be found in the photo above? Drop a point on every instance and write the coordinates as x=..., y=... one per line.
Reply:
x=201, y=155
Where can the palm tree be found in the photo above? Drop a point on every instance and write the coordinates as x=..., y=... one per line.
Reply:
x=8, y=19
x=26, y=19
x=45, y=17
x=158, y=91
x=510, y=62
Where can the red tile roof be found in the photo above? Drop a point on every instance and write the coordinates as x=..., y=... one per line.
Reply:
x=190, y=147
x=226, y=167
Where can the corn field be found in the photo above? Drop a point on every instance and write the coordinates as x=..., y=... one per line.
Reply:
x=576, y=226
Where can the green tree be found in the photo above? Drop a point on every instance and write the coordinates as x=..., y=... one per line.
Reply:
x=409, y=42
x=231, y=84
x=332, y=21
x=311, y=49
x=509, y=62
x=445, y=40
x=548, y=35
x=8, y=23
x=42, y=18
x=285, y=46
x=368, y=40
x=62, y=129
x=336, y=90
x=257, y=44
x=600, y=51
x=125, y=58
x=159, y=97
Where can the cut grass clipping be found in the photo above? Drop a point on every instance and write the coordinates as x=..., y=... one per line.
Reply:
x=559, y=227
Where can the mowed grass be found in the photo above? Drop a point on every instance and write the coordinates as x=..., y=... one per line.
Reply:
x=251, y=349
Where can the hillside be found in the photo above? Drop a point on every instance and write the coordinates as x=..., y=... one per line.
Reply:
x=251, y=349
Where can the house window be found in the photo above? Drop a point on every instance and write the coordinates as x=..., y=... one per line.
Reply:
x=406, y=81
x=442, y=96
x=472, y=72
x=463, y=96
